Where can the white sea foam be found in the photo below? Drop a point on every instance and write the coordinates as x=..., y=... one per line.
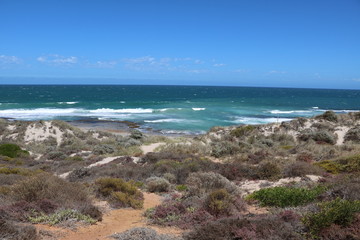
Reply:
x=70, y=103
x=48, y=113
x=289, y=112
x=251, y=120
x=198, y=109
x=125, y=110
x=165, y=120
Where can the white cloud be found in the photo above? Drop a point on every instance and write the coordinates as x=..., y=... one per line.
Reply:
x=104, y=64
x=57, y=59
x=276, y=72
x=9, y=59
x=219, y=64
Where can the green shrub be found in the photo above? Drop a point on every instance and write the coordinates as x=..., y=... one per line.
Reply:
x=218, y=202
x=19, y=171
x=61, y=216
x=75, y=159
x=285, y=196
x=242, y=131
x=329, y=116
x=12, y=150
x=321, y=136
x=103, y=149
x=346, y=164
x=181, y=188
x=268, y=170
x=353, y=135
x=338, y=211
x=120, y=192
x=157, y=184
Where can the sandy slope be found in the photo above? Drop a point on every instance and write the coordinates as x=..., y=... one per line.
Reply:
x=115, y=221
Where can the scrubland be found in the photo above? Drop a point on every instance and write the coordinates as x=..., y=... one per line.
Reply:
x=290, y=180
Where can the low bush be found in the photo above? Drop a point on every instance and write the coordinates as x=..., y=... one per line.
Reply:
x=268, y=170
x=19, y=171
x=12, y=150
x=353, y=135
x=119, y=192
x=300, y=169
x=103, y=149
x=242, y=131
x=200, y=184
x=141, y=233
x=329, y=116
x=224, y=148
x=259, y=228
x=61, y=216
x=322, y=136
x=285, y=196
x=339, y=212
x=168, y=213
x=348, y=164
x=157, y=184
x=345, y=187
x=14, y=231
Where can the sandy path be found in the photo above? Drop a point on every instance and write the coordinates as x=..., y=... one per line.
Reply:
x=151, y=147
x=114, y=222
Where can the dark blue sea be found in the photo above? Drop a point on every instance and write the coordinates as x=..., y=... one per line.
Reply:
x=171, y=109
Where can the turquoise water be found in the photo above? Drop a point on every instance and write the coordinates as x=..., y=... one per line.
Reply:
x=189, y=109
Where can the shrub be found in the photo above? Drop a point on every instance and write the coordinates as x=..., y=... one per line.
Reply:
x=338, y=211
x=353, y=135
x=181, y=188
x=12, y=150
x=103, y=149
x=346, y=164
x=13, y=231
x=242, y=131
x=61, y=216
x=56, y=155
x=268, y=170
x=347, y=187
x=223, y=148
x=329, y=116
x=218, y=202
x=321, y=136
x=157, y=184
x=300, y=169
x=259, y=228
x=119, y=192
x=285, y=196
x=168, y=213
x=141, y=233
x=136, y=134
x=19, y=171
x=46, y=186
x=200, y=184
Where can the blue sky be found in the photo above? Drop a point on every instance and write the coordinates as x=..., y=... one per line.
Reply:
x=279, y=43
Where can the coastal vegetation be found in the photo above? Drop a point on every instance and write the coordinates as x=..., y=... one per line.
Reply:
x=290, y=180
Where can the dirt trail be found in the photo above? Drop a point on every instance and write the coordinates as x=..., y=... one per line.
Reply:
x=115, y=221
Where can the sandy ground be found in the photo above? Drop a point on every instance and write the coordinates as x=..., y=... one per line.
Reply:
x=150, y=148
x=115, y=221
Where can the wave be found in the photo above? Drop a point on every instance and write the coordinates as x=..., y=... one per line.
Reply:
x=198, y=109
x=125, y=110
x=49, y=113
x=70, y=103
x=253, y=120
x=165, y=120
x=289, y=112
x=313, y=111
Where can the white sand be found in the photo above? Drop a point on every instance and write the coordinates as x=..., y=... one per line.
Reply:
x=341, y=131
x=250, y=186
x=150, y=148
x=38, y=133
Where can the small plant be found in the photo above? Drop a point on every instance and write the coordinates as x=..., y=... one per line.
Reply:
x=62, y=216
x=157, y=184
x=242, y=131
x=142, y=233
x=218, y=202
x=329, y=116
x=342, y=165
x=12, y=150
x=120, y=192
x=181, y=188
x=285, y=196
x=338, y=211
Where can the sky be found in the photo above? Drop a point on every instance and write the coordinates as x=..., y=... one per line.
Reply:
x=278, y=43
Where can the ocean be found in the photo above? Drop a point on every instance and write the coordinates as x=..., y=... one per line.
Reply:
x=171, y=109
